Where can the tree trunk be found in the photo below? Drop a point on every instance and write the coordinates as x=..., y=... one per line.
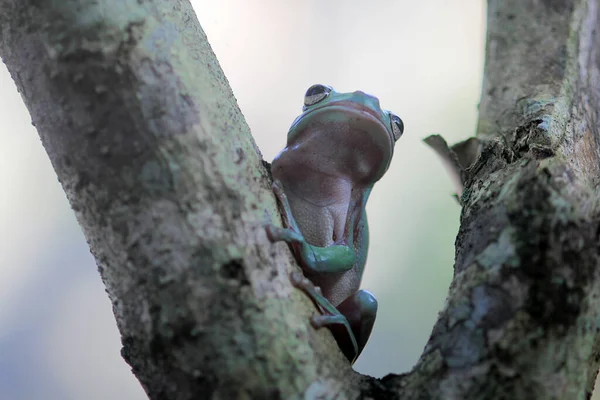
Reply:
x=146, y=138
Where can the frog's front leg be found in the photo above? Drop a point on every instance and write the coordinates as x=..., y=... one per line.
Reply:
x=330, y=259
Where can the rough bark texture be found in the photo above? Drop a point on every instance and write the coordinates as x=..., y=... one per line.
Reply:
x=146, y=138
x=522, y=316
x=152, y=151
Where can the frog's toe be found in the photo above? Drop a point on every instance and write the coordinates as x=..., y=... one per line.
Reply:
x=303, y=283
x=269, y=230
x=276, y=234
x=319, y=321
x=297, y=278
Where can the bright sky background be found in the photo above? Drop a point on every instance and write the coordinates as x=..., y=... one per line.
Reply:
x=424, y=60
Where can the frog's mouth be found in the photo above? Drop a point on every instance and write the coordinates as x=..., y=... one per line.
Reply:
x=349, y=113
x=351, y=110
x=345, y=136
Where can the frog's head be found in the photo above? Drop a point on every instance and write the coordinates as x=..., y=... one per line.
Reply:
x=319, y=96
x=352, y=123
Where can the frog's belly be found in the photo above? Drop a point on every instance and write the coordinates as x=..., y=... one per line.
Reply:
x=321, y=224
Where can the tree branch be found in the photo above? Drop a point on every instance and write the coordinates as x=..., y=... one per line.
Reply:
x=167, y=184
x=152, y=151
x=521, y=319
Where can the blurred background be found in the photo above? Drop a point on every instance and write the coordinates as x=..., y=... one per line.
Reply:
x=424, y=60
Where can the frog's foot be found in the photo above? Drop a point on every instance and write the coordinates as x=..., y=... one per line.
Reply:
x=331, y=318
x=303, y=283
x=276, y=234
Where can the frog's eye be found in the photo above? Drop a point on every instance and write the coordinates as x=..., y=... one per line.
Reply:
x=315, y=94
x=397, y=126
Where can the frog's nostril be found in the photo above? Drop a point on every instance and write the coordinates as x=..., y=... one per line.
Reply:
x=366, y=98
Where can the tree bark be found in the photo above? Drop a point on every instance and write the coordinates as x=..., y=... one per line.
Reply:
x=522, y=316
x=168, y=186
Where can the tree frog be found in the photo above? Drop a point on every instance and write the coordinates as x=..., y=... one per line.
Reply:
x=337, y=149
